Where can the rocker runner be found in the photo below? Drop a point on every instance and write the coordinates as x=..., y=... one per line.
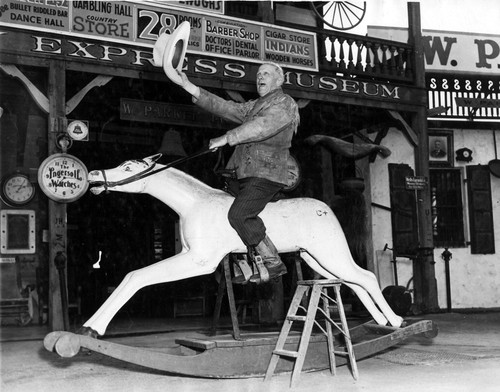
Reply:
x=259, y=160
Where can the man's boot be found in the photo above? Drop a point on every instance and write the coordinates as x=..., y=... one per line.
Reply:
x=271, y=258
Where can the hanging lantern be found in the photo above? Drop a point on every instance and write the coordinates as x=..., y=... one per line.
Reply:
x=171, y=144
x=355, y=183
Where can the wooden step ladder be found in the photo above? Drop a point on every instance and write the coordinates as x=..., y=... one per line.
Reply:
x=318, y=289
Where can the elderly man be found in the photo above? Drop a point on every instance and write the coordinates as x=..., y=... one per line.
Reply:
x=262, y=142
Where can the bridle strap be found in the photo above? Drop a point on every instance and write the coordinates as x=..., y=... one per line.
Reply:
x=149, y=171
x=135, y=177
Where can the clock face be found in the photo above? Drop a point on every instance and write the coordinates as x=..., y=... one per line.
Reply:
x=17, y=189
x=63, y=178
x=293, y=174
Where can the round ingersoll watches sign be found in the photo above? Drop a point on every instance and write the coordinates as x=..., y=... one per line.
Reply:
x=63, y=178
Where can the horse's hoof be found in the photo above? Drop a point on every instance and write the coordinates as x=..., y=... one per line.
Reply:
x=68, y=345
x=87, y=331
x=402, y=324
x=50, y=340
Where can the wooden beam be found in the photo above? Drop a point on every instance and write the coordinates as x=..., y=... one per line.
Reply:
x=58, y=314
x=424, y=277
x=408, y=131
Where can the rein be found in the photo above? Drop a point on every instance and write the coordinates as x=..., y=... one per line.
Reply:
x=149, y=171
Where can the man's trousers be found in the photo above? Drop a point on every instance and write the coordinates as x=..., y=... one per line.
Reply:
x=251, y=197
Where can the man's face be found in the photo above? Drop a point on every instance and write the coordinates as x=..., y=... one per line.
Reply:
x=268, y=79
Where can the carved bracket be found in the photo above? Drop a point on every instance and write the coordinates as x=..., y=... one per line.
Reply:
x=41, y=100
x=98, y=81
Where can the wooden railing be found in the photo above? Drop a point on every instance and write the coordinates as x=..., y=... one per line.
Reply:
x=362, y=56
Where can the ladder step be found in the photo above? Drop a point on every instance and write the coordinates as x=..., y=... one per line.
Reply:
x=287, y=353
x=296, y=318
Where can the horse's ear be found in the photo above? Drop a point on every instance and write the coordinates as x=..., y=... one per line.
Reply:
x=154, y=158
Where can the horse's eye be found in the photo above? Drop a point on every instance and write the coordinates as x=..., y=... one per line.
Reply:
x=127, y=168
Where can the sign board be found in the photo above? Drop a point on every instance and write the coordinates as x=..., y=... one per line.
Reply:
x=140, y=23
x=300, y=84
x=451, y=51
x=417, y=183
x=216, y=7
x=166, y=113
x=477, y=102
x=463, y=84
x=464, y=96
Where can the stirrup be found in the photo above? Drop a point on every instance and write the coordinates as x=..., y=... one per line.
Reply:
x=242, y=271
x=262, y=275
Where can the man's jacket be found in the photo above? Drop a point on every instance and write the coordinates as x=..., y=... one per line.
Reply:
x=264, y=137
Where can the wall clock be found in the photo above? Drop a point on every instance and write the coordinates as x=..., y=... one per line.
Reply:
x=63, y=178
x=17, y=190
x=464, y=154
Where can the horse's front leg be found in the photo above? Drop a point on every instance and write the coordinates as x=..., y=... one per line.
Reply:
x=180, y=266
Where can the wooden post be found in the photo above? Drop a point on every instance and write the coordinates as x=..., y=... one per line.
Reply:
x=327, y=176
x=57, y=211
x=364, y=166
x=266, y=11
x=424, y=278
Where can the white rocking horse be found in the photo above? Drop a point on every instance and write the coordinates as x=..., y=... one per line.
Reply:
x=300, y=224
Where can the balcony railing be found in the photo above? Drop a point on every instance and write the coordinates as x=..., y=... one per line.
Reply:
x=362, y=56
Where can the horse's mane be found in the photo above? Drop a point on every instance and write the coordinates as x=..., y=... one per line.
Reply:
x=190, y=181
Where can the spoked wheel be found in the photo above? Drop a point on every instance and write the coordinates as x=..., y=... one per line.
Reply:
x=340, y=15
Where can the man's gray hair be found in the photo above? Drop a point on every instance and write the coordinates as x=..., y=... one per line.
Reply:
x=277, y=66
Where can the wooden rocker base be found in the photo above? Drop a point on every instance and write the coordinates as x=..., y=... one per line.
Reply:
x=224, y=357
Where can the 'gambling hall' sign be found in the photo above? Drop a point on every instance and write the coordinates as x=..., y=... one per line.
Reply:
x=140, y=23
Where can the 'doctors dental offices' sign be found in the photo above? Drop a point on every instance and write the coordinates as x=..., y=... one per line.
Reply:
x=140, y=23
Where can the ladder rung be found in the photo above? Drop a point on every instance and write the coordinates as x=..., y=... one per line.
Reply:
x=287, y=353
x=296, y=318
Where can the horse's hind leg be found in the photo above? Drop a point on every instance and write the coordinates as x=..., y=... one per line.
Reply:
x=363, y=296
x=362, y=282
x=366, y=285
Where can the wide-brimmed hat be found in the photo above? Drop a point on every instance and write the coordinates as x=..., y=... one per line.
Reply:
x=494, y=166
x=170, y=49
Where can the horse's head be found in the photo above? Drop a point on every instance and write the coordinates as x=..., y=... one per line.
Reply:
x=123, y=178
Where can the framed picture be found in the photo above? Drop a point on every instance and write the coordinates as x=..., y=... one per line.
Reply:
x=17, y=231
x=441, y=147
